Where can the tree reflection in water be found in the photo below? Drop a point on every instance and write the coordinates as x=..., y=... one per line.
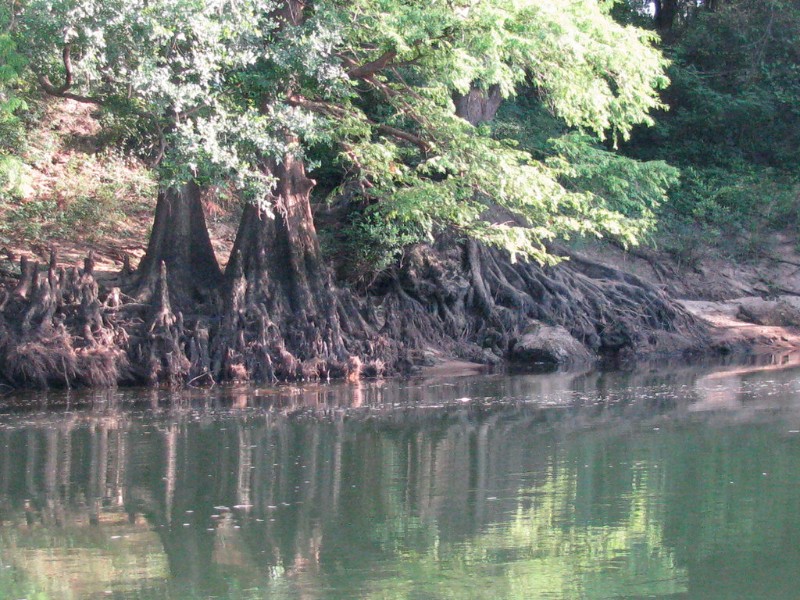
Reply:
x=595, y=486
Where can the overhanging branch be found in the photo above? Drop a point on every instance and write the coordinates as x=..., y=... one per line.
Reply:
x=338, y=112
x=372, y=67
x=62, y=91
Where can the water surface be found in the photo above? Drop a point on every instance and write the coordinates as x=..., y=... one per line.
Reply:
x=669, y=483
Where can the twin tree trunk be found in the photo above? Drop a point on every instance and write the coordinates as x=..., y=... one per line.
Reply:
x=279, y=311
x=280, y=316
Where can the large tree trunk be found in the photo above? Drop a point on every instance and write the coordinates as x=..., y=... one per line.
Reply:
x=665, y=13
x=281, y=315
x=280, y=318
x=178, y=280
x=181, y=241
x=478, y=106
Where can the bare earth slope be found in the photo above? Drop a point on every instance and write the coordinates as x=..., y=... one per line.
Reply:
x=751, y=305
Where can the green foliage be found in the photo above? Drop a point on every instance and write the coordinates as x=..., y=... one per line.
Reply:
x=630, y=189
x=13, y=177
x=217, y=89
x=571, y=50
x=733, y=126
x=734, y=211
x=373, y=241
x=528, y=122
x=12, y=173
x=629, y=192
x=632, y=12
x=456, y=174
x=159, y=70
x=11, y=64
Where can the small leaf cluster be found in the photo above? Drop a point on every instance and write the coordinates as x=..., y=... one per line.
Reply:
x=12, y=173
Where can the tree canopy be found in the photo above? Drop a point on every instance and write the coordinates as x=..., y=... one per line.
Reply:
x=216, y=89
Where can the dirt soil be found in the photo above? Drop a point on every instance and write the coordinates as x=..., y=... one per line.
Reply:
x=751, y=306
x=65, y=161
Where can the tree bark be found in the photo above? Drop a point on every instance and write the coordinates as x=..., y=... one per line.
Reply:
x=665, y=13
x=181, y=241
x=281, y=319
x=478, y=106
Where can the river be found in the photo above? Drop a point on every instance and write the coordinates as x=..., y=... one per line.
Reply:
x=668, y=482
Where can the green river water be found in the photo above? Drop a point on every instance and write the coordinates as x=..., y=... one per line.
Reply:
x=664, y=483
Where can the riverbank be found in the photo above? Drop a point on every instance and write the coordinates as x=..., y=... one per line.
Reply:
x=737, y=301
x=751, y=324
x=74, y=311
x=79, y=329
x=749, y=305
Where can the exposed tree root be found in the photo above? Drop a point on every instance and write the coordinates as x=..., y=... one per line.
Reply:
x=59, y=328
x=54, y=331
x=473, y=302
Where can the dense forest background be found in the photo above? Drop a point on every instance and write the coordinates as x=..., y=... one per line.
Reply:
x=732, y=127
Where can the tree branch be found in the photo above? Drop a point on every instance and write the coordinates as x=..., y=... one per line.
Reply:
x=315, y=106
x=337, y=112
x=403, y=135
x=370, y=68
x=62, y=91
x=12, y=18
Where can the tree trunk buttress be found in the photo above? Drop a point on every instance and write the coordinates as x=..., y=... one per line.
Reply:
x=664, y=16
x=281, y=319
x=181, y=241
x=478, y=106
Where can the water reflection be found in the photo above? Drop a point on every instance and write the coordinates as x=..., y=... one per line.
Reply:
x=657, y=484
